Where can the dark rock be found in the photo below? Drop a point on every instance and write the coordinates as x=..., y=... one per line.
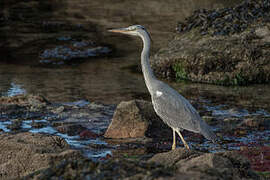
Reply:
x=23, y=107
x=136, y=118
x=71, y=129
x=11, y=109
x=35, y=124
x=207, y=51
x=15, y=125
x=187, y=165
x=257, y=122
x=111, y=169
x=25, y=100
x=227, y=21
x=227, y=165
x=259, y=156
x=88, y=134
x=240, y=59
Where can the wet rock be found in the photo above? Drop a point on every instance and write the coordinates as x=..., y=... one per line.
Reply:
x=15, y=125
x=71, y=129
x=23, y=107
x=88, y=134
x=110, y=169
x=58, y=110
x=10, y=110
x=78, y=50
x=25, y=100
x=185, y=165
x=259, y=156
x=24, y=153
x=218, y=57
x=257, y=122
x=37, y=125
x=136, y=118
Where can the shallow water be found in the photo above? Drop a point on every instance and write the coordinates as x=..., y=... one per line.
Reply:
x=104, y=79
x=75, y=142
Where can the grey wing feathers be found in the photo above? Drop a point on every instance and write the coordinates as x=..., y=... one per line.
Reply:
x=177, y=112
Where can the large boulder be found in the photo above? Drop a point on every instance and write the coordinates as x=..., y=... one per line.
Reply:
x=24, y=153
x=136, y=118
x=227, y=46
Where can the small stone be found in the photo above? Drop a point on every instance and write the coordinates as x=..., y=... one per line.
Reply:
x=71, y=129
x=88, y=134
x=58, y=110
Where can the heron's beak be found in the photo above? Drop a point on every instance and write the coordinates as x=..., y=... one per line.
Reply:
x=119, y=30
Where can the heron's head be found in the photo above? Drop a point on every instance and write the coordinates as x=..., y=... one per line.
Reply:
x=131, y=30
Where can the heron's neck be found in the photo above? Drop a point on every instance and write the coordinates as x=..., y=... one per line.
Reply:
x=148, y=74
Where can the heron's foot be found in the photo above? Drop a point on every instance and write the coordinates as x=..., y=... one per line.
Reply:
x=186, y=146
x=173, y=146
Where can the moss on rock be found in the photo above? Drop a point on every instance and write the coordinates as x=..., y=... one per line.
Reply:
x=240, y=59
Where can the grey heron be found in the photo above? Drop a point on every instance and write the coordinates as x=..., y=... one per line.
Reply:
x=170, y=106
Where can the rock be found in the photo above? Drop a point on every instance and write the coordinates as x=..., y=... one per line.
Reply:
x=71, y=129
x=23, y=107
x=24, y=153
x=38, y=125
x=79, y=50
x=227, y=21
x=227, y=165
x=15, y=125
x=259, y=156
x=172, y=157
x=11, y=109
x=257, y=122
x=136, y=118
x=219, y=58
x=88, y=134
x=110, y=169
x=188, y=165
x=25, y=100
x=58, y=110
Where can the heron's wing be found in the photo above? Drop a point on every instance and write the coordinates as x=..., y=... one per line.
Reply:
x=175, y=110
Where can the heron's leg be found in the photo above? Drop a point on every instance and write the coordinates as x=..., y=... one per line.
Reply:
x=186, y=145
x=174, y=144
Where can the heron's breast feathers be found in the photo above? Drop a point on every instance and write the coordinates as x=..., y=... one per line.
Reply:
x=158, y=93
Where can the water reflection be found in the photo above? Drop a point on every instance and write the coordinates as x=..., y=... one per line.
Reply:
x=15, y=89
x=105, y=79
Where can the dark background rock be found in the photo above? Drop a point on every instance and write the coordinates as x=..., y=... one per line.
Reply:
x=241, y=59
x=136, y=118
x=237, y=57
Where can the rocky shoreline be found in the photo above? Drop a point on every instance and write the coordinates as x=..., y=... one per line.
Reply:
x=44, y=140
x=40, y=139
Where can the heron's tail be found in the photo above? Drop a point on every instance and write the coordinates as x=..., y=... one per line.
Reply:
x=206, y=131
